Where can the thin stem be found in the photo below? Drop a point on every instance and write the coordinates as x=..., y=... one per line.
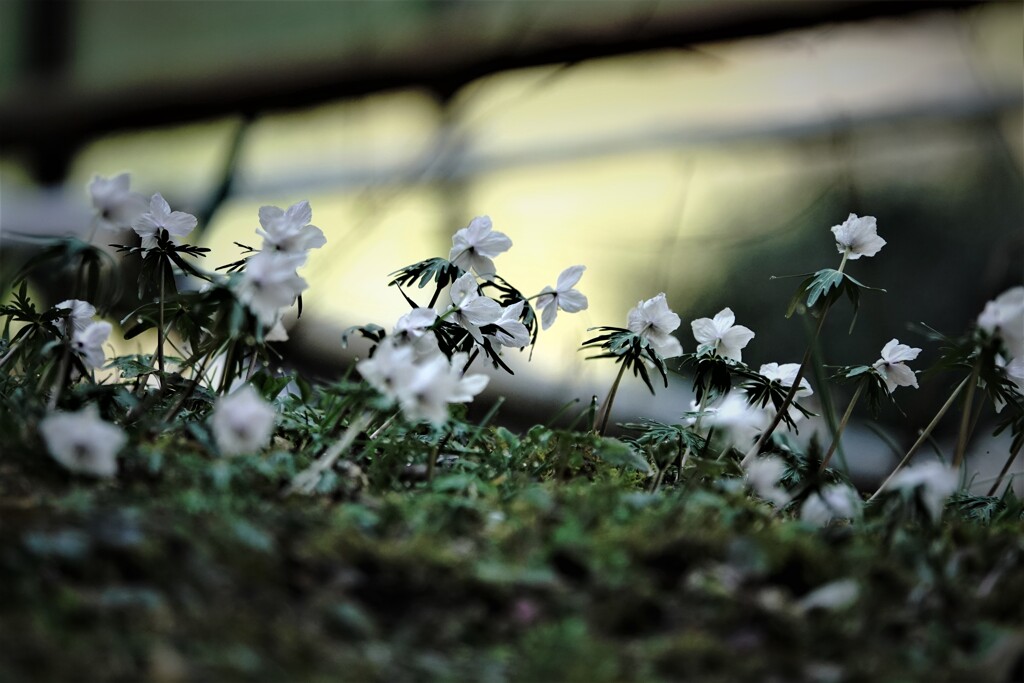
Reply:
x=790, y=395
x=196, y=378
x=1006, y=468
x=387, y=423
x=14, y=348
x=924, y=435
x=601, y=421
x=160, y=327
x=432, y=461
x=841, y=427
x=965, y=419
x=62, y=374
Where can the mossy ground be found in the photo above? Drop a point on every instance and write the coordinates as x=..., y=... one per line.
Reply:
x=528, y=560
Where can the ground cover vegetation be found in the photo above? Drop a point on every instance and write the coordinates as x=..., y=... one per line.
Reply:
x=200, y=512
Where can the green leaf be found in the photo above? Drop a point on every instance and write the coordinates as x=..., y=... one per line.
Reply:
x=621, y=454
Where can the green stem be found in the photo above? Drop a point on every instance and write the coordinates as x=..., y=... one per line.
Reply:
x=924, y=435
x=841, y=427
x=965, y=419
x=790, y=395
x=1006, y=468
x=160, y=328
x=601, y=421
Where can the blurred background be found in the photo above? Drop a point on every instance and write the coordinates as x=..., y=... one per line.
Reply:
x=695, y=148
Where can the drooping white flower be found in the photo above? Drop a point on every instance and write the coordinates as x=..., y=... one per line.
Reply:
x=290, y=230
x=472, y=309
x=837, y=501
x=437, y=383
x=763, y=475
x=654, y=321
x=1004, y=317
x=563, y=296
x=82, y=442
x=932, y=481
x=78, y=314
x=242, y=422
x=474, y=246
x=88, y=343
x=178, y=224
x=117, y=207
x=785, y=374
x=722, y=335
x=893, y=368
x=858, y=236
x=510, y=331
x=739, y=422
x=270, y=284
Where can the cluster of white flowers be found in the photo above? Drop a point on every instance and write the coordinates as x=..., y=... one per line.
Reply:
x=271, y=282
x=423, y=385
x=87, y=335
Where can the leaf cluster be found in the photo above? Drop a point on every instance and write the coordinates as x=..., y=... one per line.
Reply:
x=629, y=348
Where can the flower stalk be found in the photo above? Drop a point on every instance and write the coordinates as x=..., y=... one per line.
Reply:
x=923, y=436
x=1006, y=468
x=601, y=421
x=842, y=426
x=965, y=419
x=790, y=395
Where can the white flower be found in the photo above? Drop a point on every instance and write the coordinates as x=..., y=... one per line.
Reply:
x=435, y=384
x=270, y=284
x=160, y=217
x=414, y=328
x=837, y=501
x=242, y=422
x=562, y=296
x=472, y=309
x=474, y=246
x=858, y=237
x=88, y=343
x=763, y=476
x=390, y=367
x=654, y=321
x=78, y=314
x=116, y=206
x=289, y=231
x=722, y=334
x=893, y=369
x=933, y=481
x=510, y=331
x=82, y=442
x=739, y=421
x=1004, y=318
x=785, y=374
